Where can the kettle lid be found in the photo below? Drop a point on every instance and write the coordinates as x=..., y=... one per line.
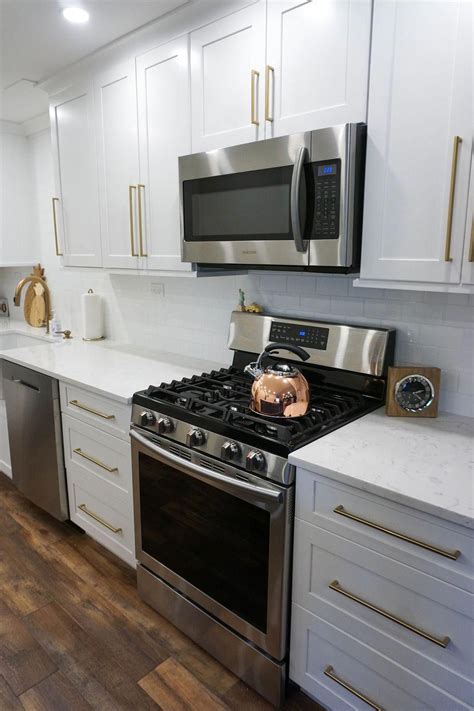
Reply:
x=283, y=369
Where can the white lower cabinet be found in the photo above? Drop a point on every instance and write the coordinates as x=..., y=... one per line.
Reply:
x=98, y=470
x=377, y=619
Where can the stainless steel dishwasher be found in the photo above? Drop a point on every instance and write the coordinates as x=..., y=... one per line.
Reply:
x=35, y=436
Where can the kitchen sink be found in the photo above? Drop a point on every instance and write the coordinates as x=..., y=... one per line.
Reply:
x=20, y=340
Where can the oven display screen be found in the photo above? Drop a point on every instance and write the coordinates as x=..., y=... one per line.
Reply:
x=210, y=538
x=304, y=336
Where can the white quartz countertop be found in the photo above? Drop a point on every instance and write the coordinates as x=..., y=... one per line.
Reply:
x=104, y=367
x=427, y=464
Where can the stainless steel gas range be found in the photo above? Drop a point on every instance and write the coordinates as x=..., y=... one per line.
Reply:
x=214, y=492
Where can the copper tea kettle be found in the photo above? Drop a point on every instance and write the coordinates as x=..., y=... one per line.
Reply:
x=280, y=390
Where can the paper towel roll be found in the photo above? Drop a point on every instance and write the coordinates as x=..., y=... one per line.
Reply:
x=92, y=316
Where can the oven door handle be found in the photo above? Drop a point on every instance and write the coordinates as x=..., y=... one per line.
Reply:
x=168, y=458
x=300, y=244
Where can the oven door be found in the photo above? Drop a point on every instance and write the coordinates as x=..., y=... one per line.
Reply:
x=246, y=204
x=218, y=535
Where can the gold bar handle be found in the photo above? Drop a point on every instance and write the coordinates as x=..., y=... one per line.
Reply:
x=81, y=406
x=131, y=188
x=452, y=188
x=55, y=225
x=100, y=520
x=268, y=69
x=440, y=641
x=452, y=555
x=140, y=219
x=94, y=460
x=254, y=75
x=329, y=671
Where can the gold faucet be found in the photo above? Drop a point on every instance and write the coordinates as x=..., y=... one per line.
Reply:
x=47, y=295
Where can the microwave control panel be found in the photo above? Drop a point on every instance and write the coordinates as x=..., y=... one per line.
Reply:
x=304, y=336
x=327, y=199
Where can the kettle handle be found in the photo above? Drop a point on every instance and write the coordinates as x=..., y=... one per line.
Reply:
x=300, y=352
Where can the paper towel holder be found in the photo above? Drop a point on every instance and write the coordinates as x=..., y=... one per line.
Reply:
x=100, y=338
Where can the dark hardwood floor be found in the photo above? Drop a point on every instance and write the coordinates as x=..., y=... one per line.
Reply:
x=75, y=635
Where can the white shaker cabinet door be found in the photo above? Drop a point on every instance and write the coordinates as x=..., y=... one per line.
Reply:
x=164, y=134
x=227, y=80
x=317, y=64
x=419, y=141
x=468, y=264
x=117, y=134
x=76, y=204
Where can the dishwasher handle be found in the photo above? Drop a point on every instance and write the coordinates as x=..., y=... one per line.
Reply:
x=19, y=381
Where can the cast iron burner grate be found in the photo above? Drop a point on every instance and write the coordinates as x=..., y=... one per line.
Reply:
x=224, y=395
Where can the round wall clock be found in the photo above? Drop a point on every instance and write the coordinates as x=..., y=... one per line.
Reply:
x=413, y=391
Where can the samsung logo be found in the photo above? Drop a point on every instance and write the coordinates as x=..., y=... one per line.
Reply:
x=249, y=251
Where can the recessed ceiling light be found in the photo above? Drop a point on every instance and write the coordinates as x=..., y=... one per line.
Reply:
x=76, y=14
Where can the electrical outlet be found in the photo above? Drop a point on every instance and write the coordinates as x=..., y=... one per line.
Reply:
x=157, y=288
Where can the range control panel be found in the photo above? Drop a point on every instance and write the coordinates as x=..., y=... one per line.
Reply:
x=327, y=198
x=305, y=336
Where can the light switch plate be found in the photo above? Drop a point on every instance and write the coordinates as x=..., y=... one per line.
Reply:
x=4, y=308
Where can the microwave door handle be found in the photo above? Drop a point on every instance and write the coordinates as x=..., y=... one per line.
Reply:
x=300, y=244
x=172, y=459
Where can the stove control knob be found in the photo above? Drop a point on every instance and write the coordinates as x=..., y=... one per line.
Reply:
x=195, y=437
x=164, y=425
x=255, y=461
x=146, y=418
x=230, y=451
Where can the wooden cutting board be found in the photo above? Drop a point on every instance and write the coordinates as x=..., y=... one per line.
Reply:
x=34, y=308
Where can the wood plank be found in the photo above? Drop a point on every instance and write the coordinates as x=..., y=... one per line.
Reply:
x=8, y=700
x=101, y=681
x=22, y=594
x=162, y=694
x=56, y=693
x=189, y=689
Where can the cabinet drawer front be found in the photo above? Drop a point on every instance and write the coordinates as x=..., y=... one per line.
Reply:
x=111, y=527
x=401, y=612
x=101, y=454
x=385, y=527
x=317, y=645
x=102, y=412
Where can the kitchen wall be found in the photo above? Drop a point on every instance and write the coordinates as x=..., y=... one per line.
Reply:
x=193, y=314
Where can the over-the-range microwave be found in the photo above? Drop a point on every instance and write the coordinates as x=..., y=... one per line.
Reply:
x=293, y=202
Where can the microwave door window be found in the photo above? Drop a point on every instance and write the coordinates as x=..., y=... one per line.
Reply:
x=239, y=207
x=212, y=539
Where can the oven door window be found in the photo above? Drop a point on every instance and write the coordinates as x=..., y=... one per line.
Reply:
x=254, y=205
x=214, y=540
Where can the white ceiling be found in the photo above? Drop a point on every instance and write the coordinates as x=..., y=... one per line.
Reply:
x=37, y=42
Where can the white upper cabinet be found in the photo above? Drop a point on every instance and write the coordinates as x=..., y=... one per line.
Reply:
x=76, y=207
x=419, y=141
x=164, y=134
x=227, y=80
x=317, y=64
x=117, y=139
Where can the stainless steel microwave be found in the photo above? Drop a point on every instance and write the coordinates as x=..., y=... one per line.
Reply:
x=291, y=202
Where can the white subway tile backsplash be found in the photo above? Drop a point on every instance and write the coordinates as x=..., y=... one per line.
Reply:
x=332, y=285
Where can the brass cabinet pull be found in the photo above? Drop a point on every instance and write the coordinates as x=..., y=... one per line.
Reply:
x=253, y=103
x=94, y=460
x=140, y=220
x=440, y=641
x=268, y=69
x=131, y=188
x=329, y=671
x=452, y=188
x=81, y=406
x=55, y=225
x=452, y=555
x=100, y=520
